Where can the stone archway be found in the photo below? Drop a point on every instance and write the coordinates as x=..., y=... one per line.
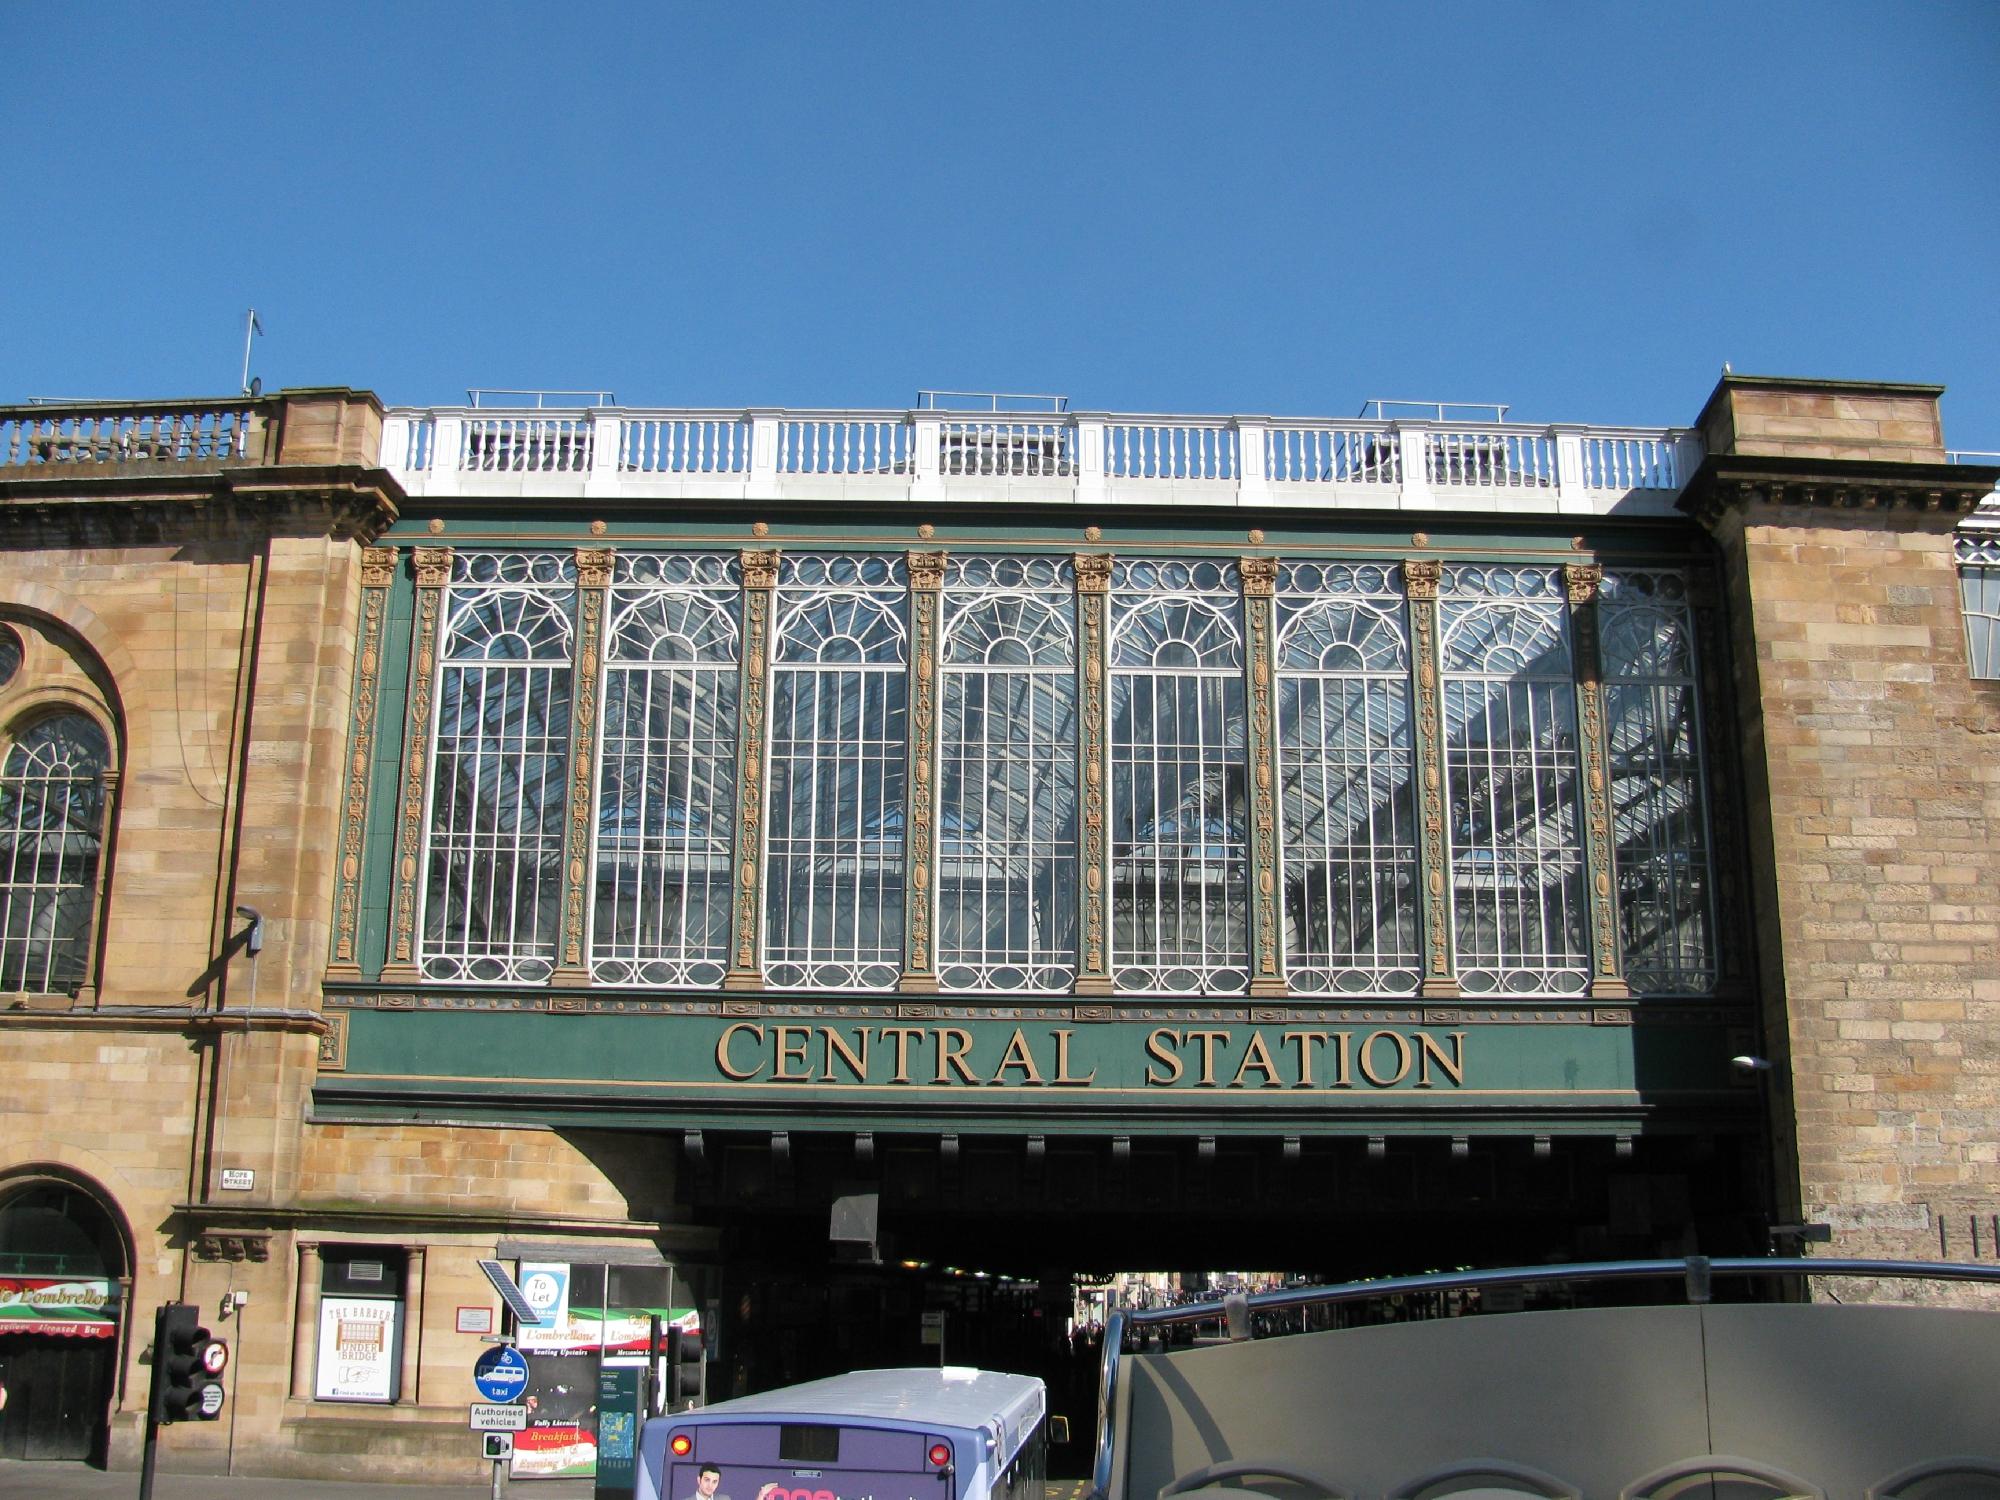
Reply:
x=65, y=1282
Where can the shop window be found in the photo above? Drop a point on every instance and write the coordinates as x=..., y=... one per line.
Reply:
x=360, y=1323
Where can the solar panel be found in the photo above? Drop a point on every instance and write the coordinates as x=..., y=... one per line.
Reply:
x=510, y=1293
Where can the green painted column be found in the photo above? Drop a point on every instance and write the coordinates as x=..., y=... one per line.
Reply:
x=760, y=582
x=920, y=842
x=593, y=593
x=1421, y=576
x=378, y=574
x=1093, y=607
x=1267, y=938
x=1607, y=974
x=433, y=570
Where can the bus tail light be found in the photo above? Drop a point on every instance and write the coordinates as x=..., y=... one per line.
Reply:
x=681, y=1444
x=940, y=1455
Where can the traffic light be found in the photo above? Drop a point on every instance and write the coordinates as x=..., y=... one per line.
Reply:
x=186, y=1362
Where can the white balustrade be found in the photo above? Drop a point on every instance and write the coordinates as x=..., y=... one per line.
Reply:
x=1006, y=448
x=524, y=445
x=844, y=445
x=685, y=445
x=1355, y=453
x=125, y=434
x=1490, y=458
x=921, y=455
x=1630, y=462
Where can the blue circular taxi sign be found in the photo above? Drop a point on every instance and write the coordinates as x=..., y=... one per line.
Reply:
x=501, y=1374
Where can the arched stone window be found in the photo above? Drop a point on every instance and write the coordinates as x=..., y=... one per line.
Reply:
x=52, y=799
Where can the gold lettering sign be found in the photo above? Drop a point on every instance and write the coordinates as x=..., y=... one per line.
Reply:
x=908, y=1055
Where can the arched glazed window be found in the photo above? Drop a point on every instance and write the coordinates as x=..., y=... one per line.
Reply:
x=666, y=800
x=1007, y=862
x=493, y=882
x=1347, y=779
x=1179, y=779
x=51, y=837
x=1512, y=777
x=839, y=764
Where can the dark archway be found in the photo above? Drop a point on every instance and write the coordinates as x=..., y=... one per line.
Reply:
x=65, y=1280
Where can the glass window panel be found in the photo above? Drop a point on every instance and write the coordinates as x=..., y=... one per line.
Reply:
x=1346, y=778
x=51, y=817
x=493, y=868
x=1652, y=713
x=839, y=731
x=1979, y=595
x=666, y=804
x=1512, y=782
x=1179, y=779
x=1006, y=883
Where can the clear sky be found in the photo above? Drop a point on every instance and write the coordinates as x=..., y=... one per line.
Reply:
x=1580, y=209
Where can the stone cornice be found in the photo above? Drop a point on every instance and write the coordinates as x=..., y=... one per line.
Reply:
x=1814, y=486
x=124, y=503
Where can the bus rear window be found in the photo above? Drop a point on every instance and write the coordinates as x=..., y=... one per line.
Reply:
x=801, y=1444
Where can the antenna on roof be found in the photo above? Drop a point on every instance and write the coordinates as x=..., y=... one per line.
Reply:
x=251, y=328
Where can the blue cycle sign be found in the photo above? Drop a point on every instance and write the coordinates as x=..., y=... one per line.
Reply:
x=501, y=1374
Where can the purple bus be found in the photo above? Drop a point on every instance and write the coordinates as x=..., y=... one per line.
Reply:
x=949, y=1434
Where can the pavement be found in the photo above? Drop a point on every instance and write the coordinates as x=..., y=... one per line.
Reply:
x=58, y=1481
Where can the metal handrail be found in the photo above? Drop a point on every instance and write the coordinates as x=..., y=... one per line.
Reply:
x=1697, y=1271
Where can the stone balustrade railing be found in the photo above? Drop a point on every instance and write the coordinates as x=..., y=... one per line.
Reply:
x=126, y=432
x=1085, y=458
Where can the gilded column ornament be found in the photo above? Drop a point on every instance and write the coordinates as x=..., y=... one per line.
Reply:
x=378, y=573
x=593, y=588
x=926, y=601
x=1093, y=601
x=760, y=581
x=433, y=570
x=1421, y=576
x=1725, y=814
x=1260, y=588
x=1607, y=978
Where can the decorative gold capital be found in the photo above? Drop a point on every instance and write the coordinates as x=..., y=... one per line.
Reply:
x=593, y=566
x=927, y=571
x=1093, y=572
x=1580, y=581
x=760, y=568
x=433, y=566
x=378, y=567
x=1421, y=576
x=1260, y=576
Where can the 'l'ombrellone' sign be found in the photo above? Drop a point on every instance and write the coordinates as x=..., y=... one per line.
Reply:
x=79, y=1307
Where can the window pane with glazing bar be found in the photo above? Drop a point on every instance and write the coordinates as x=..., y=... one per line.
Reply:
x=839, y=731
x=1347, y=778
x=1179, y=779
x=1512, y=780
x=666, y=803
x=493, y=869
x=1006, y=882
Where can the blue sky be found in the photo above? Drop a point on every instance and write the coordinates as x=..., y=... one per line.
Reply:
x=1580, y=210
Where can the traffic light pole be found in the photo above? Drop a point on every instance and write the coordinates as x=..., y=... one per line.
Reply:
x=152, y=1448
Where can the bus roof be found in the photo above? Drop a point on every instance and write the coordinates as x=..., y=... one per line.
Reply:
x=932, y=1398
